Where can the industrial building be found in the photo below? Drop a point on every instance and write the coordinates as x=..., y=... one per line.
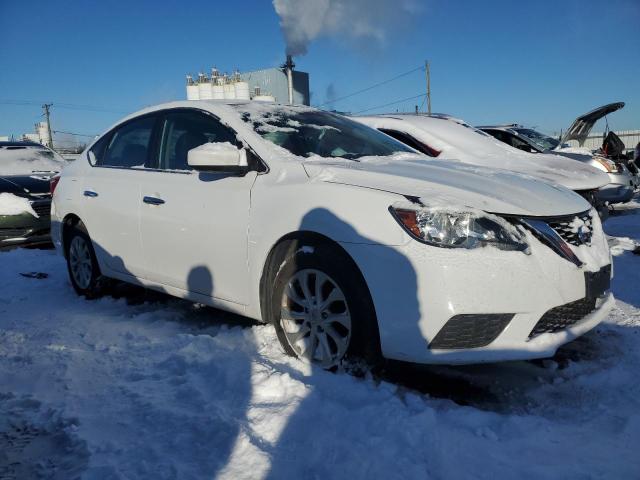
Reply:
x=273, y=81
x=280, y=85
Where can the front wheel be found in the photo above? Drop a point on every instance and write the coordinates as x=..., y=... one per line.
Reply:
x=82, y=265
x=322, y=309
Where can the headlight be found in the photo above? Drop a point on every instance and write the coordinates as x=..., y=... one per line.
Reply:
x=605, y=164
x=458, y=229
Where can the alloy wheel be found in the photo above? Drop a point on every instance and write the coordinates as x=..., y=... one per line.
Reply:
x=315, y=317
x=80, y=262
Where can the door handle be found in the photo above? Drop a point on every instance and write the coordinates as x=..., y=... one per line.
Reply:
x=153, y=200
x=90, y=193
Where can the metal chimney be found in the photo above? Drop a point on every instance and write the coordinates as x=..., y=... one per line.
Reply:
x=289, y=69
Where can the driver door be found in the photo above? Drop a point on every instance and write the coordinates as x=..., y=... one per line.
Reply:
x=194, y=224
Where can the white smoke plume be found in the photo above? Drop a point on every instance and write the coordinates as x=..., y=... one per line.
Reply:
x=371, y=21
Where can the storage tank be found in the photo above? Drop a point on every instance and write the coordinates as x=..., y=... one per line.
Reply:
x=204, y=87
x=229, y=89
x=217, y=90
x=192, y=89
x=242, y=90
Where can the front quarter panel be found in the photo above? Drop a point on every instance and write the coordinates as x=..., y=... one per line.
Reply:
x=344, y=213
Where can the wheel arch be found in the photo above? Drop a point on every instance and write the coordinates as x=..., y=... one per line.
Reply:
x=299, y=239
x=71, y=220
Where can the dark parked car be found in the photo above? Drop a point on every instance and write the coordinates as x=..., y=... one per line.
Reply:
x=26, y=169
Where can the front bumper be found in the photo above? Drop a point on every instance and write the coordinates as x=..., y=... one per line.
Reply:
x=417, y=289
x=620, y=189
x=24, y=229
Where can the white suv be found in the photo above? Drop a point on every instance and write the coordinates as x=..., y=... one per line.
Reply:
x=350, y=243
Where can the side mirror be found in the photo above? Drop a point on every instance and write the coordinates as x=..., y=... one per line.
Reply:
x=218, y=157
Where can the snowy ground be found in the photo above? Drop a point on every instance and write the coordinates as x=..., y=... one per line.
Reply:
x=138, y=385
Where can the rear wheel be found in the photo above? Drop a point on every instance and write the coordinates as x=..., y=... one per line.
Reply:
x=321, y=308
x=82, y=265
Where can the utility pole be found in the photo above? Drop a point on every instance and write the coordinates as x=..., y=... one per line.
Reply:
x=426, y=67
x=46, y=107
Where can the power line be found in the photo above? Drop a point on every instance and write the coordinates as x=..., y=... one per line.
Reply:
x=69, y=106
x=391, y=103
x=76, y=134
x=421, y=67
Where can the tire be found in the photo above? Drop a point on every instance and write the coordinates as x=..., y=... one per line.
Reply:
x=339, y=326
x=82, y=265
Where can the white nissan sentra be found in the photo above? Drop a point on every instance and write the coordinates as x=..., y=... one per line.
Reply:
x=350, y=243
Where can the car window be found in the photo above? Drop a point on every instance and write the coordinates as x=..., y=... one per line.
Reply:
x=128, y=145
x=185, y=130
x=544, y=142
x=498, y=135
x=411, y=142
x=519, y=144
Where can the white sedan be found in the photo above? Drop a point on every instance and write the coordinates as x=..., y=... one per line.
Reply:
x=351, y=244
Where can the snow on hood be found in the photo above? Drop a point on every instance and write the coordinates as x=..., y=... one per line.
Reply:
x=461, y=142
x=11, y=204
x=25, y=161
x=443, y=182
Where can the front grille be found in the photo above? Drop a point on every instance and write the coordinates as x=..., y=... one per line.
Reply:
x=576, y=230
x=559, y=318
x=42, y=208
x=470, y=330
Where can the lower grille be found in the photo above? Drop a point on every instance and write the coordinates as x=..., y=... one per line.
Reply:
x=470, y=330
x=564, y=316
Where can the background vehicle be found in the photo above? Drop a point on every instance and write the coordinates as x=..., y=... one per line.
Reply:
x=25, y=171
x=351, y=244
x=622, y=172
x=447, y=138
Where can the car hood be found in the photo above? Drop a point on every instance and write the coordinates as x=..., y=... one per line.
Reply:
x=452, y=184
x=25, y=185
x=581, y=126
x=570, y=173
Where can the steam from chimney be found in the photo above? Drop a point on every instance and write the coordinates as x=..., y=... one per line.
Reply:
x=370, y=21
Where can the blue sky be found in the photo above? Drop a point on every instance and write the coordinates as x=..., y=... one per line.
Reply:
x=537, y=63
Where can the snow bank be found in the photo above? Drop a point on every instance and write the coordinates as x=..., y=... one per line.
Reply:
x=11, y=204
x=25, y=161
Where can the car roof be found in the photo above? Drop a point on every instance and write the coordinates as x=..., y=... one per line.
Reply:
x=504, y=126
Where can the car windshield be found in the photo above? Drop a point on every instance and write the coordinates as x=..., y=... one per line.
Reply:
x=28, y=160
x=544, y=142
x=307, y=132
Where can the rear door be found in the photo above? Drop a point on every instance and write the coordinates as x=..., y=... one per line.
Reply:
x=111, y=194
x=194, y=224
